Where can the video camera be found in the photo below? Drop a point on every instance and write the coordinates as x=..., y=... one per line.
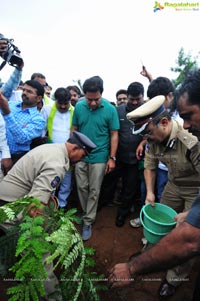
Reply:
x=11, y=55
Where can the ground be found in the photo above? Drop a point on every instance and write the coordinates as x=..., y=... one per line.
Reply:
x=114, y=245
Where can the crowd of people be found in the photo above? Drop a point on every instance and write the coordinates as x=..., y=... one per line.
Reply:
x=79, y=142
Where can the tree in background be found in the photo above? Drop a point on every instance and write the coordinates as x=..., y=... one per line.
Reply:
x=185, y=63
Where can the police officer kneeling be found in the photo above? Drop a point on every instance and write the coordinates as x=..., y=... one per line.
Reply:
x=39, y=172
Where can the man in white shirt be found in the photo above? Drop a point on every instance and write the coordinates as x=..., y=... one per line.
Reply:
x=5, y=158
x=59, y=120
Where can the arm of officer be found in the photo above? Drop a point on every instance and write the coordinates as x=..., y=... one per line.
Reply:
x=178, y=246
x=47, y=181
x=150, y=166
x=150, y=179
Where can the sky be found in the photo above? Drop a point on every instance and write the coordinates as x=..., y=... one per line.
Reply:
x=68, y=40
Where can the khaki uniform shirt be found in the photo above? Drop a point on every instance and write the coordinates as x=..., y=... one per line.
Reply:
x=37, y=174
x=181, y=155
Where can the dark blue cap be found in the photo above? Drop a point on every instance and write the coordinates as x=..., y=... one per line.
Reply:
x=82, y=141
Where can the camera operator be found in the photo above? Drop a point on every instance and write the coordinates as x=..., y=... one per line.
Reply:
x=10, y=54
x=3, y=46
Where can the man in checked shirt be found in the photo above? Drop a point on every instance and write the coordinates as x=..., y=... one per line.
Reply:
x=23, y=120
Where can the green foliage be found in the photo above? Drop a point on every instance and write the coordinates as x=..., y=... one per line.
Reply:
x=75, y=261
x=185, y=63
x=29, y=269
x=53, y=231
x=12, y=209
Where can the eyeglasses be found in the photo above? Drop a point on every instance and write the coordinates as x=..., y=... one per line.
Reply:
x=123, y=98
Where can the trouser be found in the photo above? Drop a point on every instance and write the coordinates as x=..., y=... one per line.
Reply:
x=130, y=186
x=196, y=295
x=179, y=198
x=64, y=189
x=52, y=283
x=108, y=188
x=180, y=273
x=143, y=192
x=89, y=178
x=161, y=181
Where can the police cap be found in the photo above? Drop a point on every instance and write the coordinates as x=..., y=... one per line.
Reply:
x=143, y=115
x=82, y=141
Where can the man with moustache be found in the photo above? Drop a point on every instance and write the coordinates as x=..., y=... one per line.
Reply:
x=183, y=242
x=126, y=161
x=169, y=143
x=37, y=175
x=59, y=121
x=95, y=117
x=23, y=120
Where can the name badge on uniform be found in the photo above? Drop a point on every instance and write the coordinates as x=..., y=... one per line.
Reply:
x=147, y=147
x=55, y=182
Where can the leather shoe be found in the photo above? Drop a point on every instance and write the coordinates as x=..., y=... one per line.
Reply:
x=120, y=221
x=167, y=289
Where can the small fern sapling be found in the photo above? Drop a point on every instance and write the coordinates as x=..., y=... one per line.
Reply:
x=56, y=233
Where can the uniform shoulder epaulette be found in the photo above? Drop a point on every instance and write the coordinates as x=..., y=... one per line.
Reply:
x=187, y=138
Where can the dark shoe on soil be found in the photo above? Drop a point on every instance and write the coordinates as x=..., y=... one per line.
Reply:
x=120, y=221
x=167, y=289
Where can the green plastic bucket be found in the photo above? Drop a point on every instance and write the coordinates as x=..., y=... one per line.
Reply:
x=157, y=221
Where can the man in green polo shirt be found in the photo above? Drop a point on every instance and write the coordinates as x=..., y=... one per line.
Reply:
x=95, y=117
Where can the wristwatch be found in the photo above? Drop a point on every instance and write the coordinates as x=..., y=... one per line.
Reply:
x=113, y=158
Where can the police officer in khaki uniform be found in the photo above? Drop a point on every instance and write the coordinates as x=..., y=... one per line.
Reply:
x=39, y=172
x=179, y=150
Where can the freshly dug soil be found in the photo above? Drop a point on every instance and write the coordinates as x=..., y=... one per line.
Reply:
x=114, y=245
